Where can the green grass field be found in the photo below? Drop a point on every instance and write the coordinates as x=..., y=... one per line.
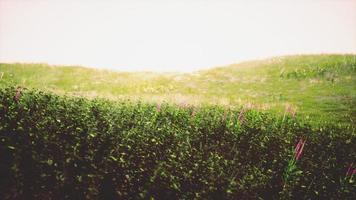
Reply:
x=321, y=88
x=59, y=141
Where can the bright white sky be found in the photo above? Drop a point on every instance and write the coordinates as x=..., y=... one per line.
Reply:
x=164, y=35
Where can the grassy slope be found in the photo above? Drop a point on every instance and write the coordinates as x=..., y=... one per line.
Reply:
x=322, y=87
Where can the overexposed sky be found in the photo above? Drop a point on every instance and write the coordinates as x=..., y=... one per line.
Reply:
x=167, y=35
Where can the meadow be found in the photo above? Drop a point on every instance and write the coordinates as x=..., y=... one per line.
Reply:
x=321, y=88
x=280, y=128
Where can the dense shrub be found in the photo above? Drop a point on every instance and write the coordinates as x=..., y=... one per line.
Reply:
x=56, y=147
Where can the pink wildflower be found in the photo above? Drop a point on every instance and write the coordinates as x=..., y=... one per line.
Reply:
x=183, y=105
x=18, y=94
x=241, y=117
x=291, y=110
x=193, y=112
x=158, y=107
x=225, y=114
x=350, y=171
x=299, y=149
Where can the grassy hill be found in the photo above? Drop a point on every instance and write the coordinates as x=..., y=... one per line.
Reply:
x=318, y=87
x=62, y=147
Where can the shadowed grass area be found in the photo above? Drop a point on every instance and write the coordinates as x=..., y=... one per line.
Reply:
x=317, y=87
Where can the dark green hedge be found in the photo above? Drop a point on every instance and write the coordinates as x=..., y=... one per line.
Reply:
x=54, y=147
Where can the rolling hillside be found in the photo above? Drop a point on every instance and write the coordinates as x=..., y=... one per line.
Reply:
x=317, y=87
x=56, y=146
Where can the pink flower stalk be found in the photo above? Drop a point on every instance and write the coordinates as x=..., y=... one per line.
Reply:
x=183, y=105
x=299, y=149
x=241, y=117
x=298, y=146
x=158, y=107
x=225, y=113
x=193, y=113
x=350, y=171
x=18, y=94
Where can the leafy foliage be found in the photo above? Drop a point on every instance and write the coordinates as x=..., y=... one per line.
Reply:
x=55, y=147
